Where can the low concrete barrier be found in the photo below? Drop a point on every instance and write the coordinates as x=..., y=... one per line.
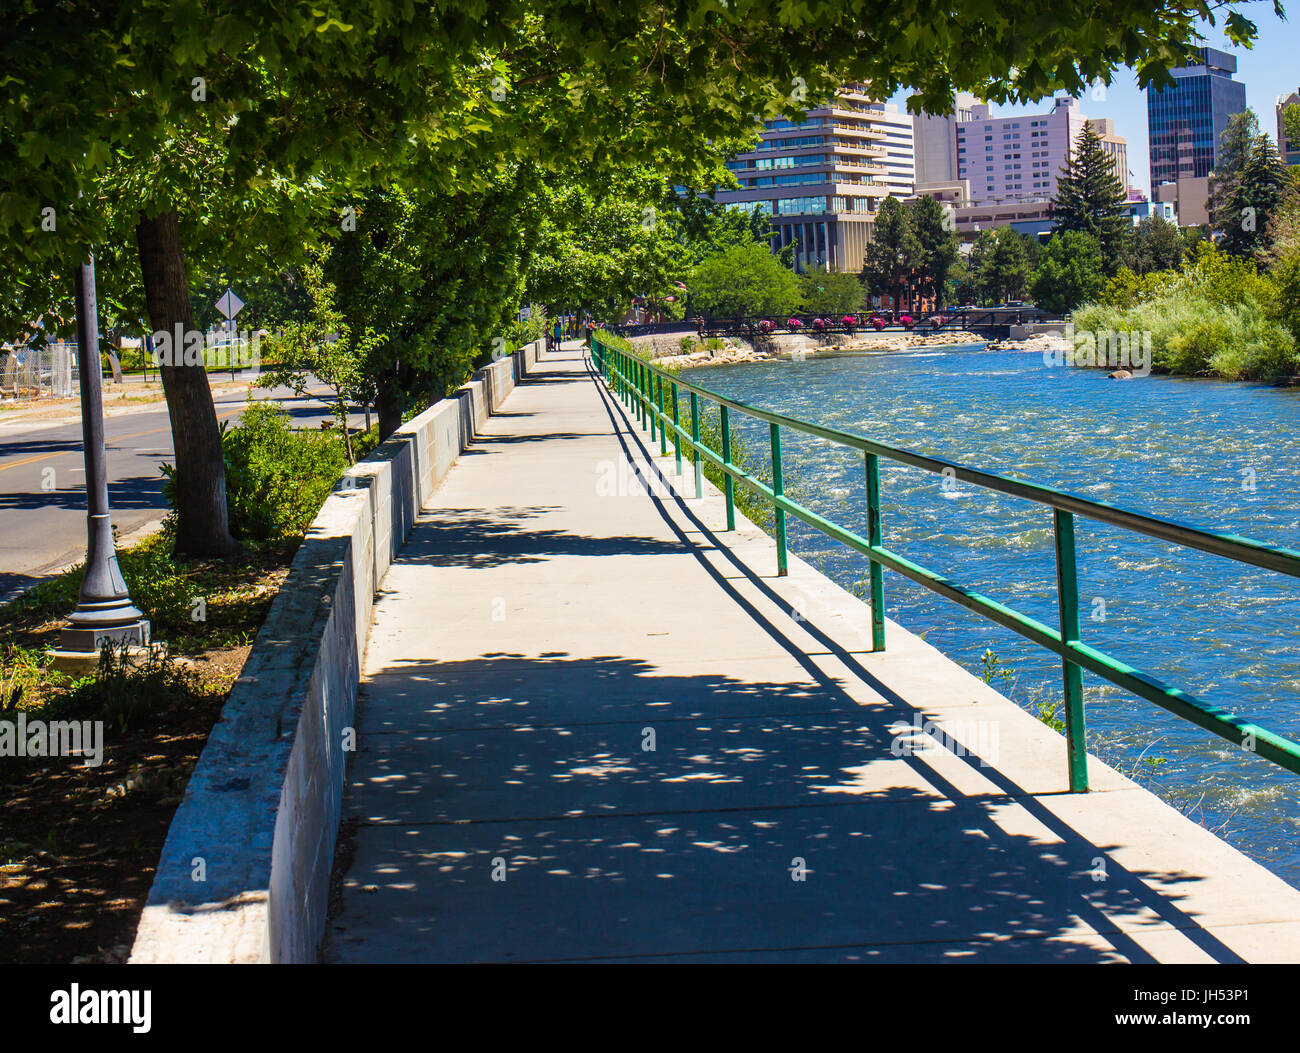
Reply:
x=244, y=874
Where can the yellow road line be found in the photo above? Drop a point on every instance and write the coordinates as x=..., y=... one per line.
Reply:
x=36, y=458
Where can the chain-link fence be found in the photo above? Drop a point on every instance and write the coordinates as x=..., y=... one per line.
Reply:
x=34, y=373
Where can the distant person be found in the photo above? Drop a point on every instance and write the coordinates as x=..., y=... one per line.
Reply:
x=558, y=329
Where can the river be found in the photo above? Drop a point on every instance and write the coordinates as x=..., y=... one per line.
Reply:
x=1224, y=456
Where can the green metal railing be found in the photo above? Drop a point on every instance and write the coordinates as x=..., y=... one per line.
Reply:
x=641, y=386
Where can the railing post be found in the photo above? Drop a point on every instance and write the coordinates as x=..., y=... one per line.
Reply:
x=695, y=445
x=728, y=483
x=663, y=429
x=677, y=439
x=650, y=400
x=640, y=394
x=875, y=572
x=778, y=489
x=1067, y=599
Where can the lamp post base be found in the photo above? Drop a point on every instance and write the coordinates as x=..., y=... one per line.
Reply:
x=90, y=639
x=80, y=648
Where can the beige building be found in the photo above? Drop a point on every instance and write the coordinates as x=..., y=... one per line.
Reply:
x=1289, y=151
x=1114, y=145
x=936, y=141
x=1190, y=198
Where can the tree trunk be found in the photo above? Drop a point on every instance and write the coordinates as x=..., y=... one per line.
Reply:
x=388, y=406
x=202, y=527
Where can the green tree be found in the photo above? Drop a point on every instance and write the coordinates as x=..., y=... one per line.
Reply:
x=1091, y=200
x=1004, y=266
x=1156, y=245
x=1250, y=199
x=165, y=137
x=895, y=254
x=745, y=281
x=325, y=348
x=1069, y=272
x=832, y=294
x=937, y=236
x=438, y=276
x=1235, y=146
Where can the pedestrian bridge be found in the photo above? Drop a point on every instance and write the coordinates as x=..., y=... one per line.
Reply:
x=596, y=724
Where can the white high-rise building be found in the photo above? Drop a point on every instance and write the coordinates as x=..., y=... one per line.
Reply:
x=1016, y=159
x=936, y=141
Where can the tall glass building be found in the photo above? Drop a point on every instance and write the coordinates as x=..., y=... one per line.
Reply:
x=1186, y=119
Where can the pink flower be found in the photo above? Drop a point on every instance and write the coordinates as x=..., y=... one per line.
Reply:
x=848, y=319
x=877, y=322
x=793, y=323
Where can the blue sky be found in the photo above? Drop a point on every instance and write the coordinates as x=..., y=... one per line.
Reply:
x=1270, y=69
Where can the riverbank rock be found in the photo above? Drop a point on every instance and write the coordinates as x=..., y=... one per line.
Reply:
x=1120, y=374
x=1042, y=343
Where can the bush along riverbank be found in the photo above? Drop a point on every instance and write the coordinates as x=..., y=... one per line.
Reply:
x=1219, y=316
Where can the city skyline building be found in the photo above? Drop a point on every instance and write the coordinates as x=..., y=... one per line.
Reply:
x=1114, y=145
x=1186, y=119
x=935, y=139
x=1287, y=150
x=822, y=179
x=1010, y=160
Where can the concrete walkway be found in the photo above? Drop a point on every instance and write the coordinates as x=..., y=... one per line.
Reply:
x=596, y=726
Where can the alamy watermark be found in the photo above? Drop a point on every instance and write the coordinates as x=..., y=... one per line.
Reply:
x=223, y=349
x=1128, y=349
x=53, y=738
x=978, y=738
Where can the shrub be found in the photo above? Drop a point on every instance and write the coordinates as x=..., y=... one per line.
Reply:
x=277, y=476
x=127, y=688
x=156, y=582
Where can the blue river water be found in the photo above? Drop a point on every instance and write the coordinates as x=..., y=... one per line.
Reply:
x=1220, y=455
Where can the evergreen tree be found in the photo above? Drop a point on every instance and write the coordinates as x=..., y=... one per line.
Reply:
x=1090, y=199
x=1234, y=151
x=1251, y=200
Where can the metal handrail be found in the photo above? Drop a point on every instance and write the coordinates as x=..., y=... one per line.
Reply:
x=637, y=381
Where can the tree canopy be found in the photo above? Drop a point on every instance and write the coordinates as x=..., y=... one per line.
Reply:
x=184, y=142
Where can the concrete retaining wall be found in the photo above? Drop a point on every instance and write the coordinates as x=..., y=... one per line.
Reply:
x=244, y=874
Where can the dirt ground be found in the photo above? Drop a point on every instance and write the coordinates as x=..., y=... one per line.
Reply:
x=79, y=844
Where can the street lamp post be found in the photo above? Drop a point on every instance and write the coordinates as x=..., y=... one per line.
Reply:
x=104, y=609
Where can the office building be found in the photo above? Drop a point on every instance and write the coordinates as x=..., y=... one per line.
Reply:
x=1115, y=146
x=1186, y=119
x=936, y=141
x=1287, y=150
x=1189, y=199
x=1014, y=160
x=822, y=179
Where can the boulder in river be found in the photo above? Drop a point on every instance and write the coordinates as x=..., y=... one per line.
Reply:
x=1120, y=374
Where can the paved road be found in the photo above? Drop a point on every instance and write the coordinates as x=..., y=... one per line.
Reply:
x=43, y=529
x=595, y=725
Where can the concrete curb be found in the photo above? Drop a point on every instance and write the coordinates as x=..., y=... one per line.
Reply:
x=244, y=874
